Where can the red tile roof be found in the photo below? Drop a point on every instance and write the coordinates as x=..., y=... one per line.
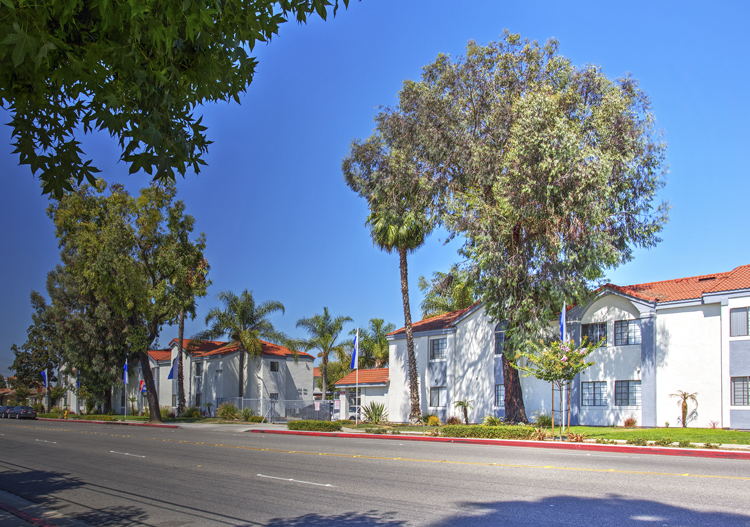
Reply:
x=159, y=355
x=316, y=372
x=372, y=376
x=688, y=288
x=211, y=348
x=444, y=321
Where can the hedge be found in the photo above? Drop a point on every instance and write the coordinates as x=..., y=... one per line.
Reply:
x=488, y=432
x=317, y=426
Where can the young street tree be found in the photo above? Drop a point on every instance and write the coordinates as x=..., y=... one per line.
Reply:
x=389, y=179
x=245, y=323
x=548, y=171
x=136, y=69
x=122, y=257
x=324, y=331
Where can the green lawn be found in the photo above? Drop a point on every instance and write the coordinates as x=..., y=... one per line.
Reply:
x=694, y=435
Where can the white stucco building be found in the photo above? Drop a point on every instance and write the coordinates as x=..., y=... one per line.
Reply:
x=688, y=334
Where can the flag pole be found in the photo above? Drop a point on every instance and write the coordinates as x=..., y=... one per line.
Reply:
x=356, y=393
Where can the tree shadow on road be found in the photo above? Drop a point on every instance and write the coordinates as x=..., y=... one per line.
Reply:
x=354, y=519
x=612, y=511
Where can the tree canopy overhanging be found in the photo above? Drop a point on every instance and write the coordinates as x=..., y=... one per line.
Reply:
x=136, y=69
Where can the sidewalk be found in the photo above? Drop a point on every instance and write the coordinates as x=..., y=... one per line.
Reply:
x=19, y=512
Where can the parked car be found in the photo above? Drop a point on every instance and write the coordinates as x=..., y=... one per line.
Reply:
x=4, y=411
x=355, y=413
x=22, y=412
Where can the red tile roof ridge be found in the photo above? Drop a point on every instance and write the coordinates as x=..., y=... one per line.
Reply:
x=366, y=376
x=442, y=321
x=208, y=348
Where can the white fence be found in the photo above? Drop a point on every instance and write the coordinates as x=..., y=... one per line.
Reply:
x=281, y=411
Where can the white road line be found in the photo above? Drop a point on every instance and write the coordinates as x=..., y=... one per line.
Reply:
x=298, y=481
x=125, y=454
x=45, y=441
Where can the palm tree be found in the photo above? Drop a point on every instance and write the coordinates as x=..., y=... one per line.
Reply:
x=373, y=344
x=682, y=401
x=245, y=324
x=465, y=406
x=405, y=233
x=324, y=331
x=447, y=292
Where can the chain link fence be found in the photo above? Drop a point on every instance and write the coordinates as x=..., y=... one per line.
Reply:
x=281, y=411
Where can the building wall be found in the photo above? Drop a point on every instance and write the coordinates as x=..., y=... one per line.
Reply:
x=299, y=378
x=736, y=364
x=473, y=359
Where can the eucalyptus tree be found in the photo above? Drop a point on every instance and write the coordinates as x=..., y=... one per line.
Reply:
x=246, y=325
x=446, y=292
x=323, y=334
x=121, y=258
x=137, y=69
x=373, y=343
x=547, y=171
x=390, y=180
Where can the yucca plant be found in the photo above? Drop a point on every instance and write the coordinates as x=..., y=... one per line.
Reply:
x=375, y=412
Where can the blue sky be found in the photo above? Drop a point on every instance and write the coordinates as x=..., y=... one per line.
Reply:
x=280, y=221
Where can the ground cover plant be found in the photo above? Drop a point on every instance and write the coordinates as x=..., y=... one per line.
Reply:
x=316, y=426
x=488, y=432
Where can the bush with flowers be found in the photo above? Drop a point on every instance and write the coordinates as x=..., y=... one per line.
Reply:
x=556, y=362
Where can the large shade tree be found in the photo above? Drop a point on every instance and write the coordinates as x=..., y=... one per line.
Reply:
x=390, y=180
x=122, y=257
x=136, y=69
x=323, y=335
x=41, y=351
x=246, y=325
x=548, y=172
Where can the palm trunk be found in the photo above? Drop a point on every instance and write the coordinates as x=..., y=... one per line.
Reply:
x=180, y=372
x=153, y=397
x=684, y=414
x=242, y=370
x=324, y=380
x=515, y=412
x=415, y=414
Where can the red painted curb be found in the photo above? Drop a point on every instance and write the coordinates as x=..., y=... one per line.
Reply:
x=625, y=449
x=120, y=423
x=27, y=517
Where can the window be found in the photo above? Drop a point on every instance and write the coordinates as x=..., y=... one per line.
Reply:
x=198, y=369
x=438, y=396
x=738, y=322
x=437, y=349
x=198, y=400
x=627, y=332
x=499, y=395
x=274, y=396
x=500, y=338
x=274, y=365
x=594, y=393
x=627, y=393
x=741, y=391
x=595, y=332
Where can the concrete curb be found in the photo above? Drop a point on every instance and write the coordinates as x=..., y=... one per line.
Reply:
x=119, y=423
x=624, y=449
x=26, y=517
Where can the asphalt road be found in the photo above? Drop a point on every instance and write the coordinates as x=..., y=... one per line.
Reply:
x=113, y=475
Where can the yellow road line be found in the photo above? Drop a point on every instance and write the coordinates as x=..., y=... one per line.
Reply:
x=417, y=460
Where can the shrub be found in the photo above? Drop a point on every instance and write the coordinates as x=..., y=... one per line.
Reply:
x=710, y=445
x=489, y=432
x=55, y=410
x=375, y=412
x=246, y=413
x=39, y=408
x=602, y=441
x=433, y=420
x=637, y=441
x=713, y=424
x=111, y=412
x=255, y=419
x=426, y=417
x=316, y=426
x=630, y=422
x=170, y=414
x=540, y=434
x=666, y=424
x=228, y=412
x=543, y=420
x=453, y=421
x=164, y=412
x=491, y=420
x=664, y=441
x=192, y=412
x=376, y=431
x=576, y=438
x=685, y=444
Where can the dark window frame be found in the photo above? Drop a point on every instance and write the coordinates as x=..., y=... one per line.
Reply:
x=500, y=338
x=628, y=393
x=598, y=396
x=595, y=332
x=274, y=364
x=438, y=349
x=625, y=333
x=735, y=331
x=740, y=391
x=437, y=390
x=499, y=396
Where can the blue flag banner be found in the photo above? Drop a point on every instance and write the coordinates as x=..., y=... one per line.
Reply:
x=562, y=323
x=78, y=381
x=171, y=371
x=125, y=374
x=355, y=353
x=44, y=376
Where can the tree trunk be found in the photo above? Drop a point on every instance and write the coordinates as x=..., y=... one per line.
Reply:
x=242, y=370
x=180, y=373
x=324, y=380
x=684, y=414
x=415, y=414
x=515, y=412
x=153, y=397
